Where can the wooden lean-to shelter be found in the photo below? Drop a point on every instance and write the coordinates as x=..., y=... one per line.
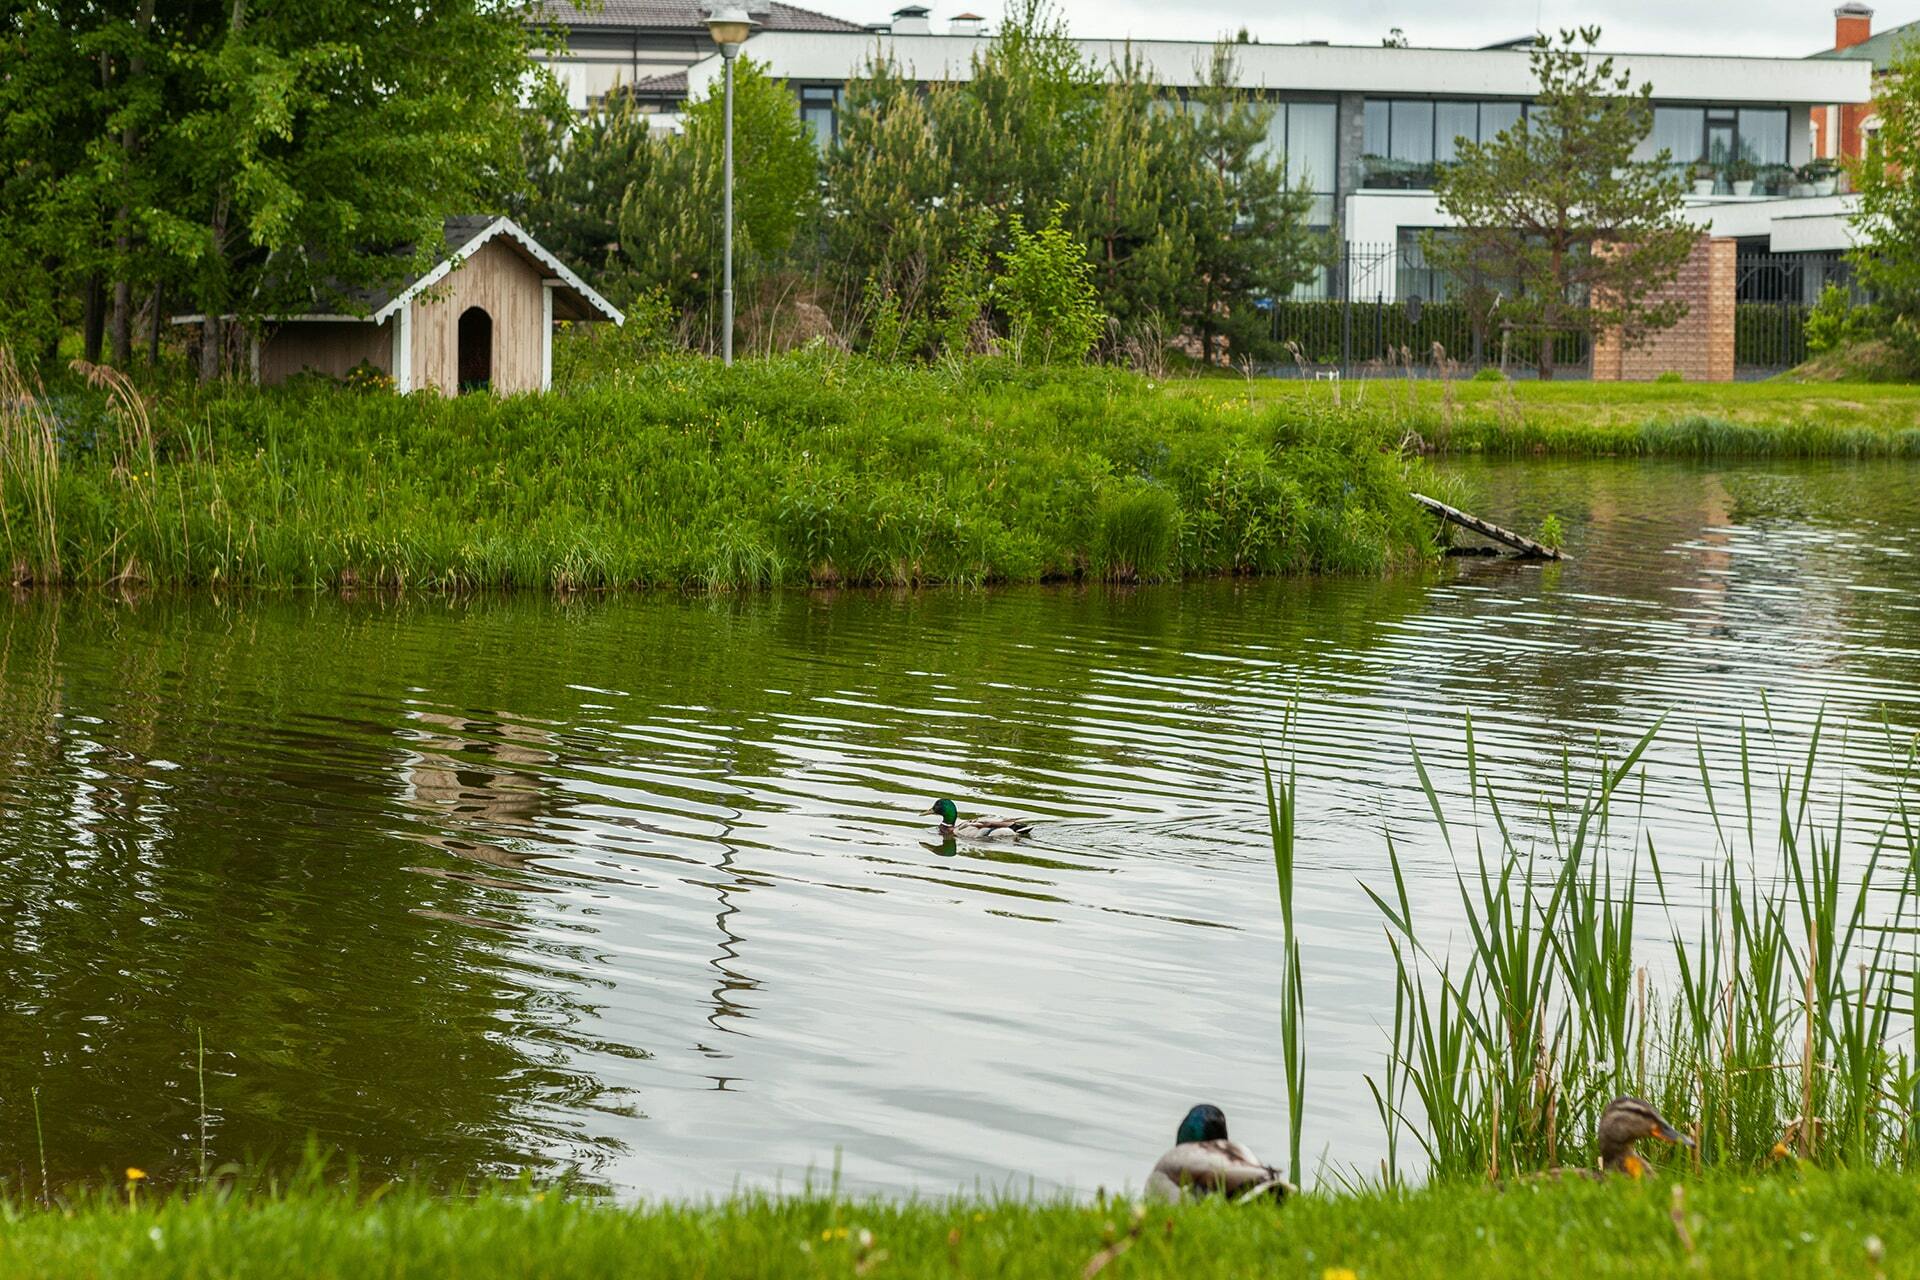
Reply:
x=480, y=319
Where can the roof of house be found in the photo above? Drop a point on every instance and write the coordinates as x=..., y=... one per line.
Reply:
x=673, y=85
x=1878, y=48
x=461, y=238
x=679, y=15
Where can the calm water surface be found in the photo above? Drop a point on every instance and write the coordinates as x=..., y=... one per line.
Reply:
x=635, y=888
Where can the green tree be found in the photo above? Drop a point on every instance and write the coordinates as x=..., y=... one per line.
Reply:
x=1589, y=234
x=670, y=228
x=1130, y=195
x=1887, y=222
x=1185, y=216
x=251, y=157
x=1249, y=227
x=892, y=211
x=581, y=174
x=1022, y=119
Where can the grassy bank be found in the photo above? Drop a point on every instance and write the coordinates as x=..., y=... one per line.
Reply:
x=815, y=468
x=1651, y=419
x=1784, y=1225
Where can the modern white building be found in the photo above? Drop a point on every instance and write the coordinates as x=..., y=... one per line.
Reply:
x=1365, y=126
x=1362, y=126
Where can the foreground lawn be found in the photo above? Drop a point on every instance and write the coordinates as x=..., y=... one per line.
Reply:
x=1775, y=418
x=1782, y=1225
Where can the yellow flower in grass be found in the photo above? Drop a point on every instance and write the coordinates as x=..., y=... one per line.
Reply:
x=1339, y=1273
x=136, y=1175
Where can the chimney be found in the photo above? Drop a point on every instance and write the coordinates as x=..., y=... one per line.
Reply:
x=912, y=21
x=967, y=24
x=1852, y=23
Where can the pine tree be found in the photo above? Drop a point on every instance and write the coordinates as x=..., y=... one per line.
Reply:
x=1588, y=234
x=1249, y=226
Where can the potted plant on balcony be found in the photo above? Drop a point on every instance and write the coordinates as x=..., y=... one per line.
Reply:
x=1740, y=175
x=1703, y=179
x=1823, y=176
x=1802, y=182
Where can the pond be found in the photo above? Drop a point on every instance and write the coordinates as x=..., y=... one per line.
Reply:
x=637, y=888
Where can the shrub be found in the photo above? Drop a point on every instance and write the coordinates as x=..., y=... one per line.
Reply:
x=1139, y=533
x=1834, y=321
x=583, y=353
x=1670, y=376
x=1046, y=289
x=1489, y=374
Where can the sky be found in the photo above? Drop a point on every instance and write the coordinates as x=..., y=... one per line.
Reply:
x=1775, y=27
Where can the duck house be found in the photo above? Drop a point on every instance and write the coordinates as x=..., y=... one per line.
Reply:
x=479, y=319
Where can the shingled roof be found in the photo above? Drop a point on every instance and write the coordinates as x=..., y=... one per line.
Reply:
x=461, y=237
x=674, y=15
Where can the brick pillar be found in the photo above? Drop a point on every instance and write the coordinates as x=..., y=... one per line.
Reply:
x=1700, y=347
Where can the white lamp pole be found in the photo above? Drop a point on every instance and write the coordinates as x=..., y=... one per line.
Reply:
x=729, y=28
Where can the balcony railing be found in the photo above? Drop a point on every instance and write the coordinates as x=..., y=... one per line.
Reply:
x=1770, y=181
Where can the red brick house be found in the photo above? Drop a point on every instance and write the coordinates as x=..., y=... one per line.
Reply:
x=1842, y=131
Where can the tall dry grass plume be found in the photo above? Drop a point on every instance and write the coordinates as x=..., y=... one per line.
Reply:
x=29, y=473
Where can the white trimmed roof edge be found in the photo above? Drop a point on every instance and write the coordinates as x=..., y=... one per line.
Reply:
x=507, y=227
x=1373, y=70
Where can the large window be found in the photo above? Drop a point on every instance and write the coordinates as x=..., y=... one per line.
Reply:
x=1406, y=137
x=1679, y=131
x=1306, y=134
x=1723, y=145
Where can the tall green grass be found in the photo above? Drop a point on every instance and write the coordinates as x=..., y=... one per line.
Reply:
x=1584, y=419
x=1794, y=989
x=815, y=468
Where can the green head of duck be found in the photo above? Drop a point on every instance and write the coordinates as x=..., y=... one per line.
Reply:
x=1203, y=1124
x=949, y=814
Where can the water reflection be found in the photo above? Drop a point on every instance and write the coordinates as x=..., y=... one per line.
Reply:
x=637, y=887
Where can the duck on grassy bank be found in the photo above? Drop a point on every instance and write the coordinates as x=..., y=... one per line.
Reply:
x=952, y=824
x=1204, y=1161
x=1625, y=1123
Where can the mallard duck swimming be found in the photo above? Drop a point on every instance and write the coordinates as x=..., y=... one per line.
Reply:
x=1204, y=1161
x=1625, y=1122
x=951, y=824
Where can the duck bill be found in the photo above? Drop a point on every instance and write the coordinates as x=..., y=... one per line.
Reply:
x=1667, y=1133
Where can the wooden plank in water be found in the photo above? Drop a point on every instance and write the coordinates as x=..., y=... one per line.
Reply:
x=1487, y=529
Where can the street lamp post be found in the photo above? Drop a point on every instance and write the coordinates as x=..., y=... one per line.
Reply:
x=729, y=27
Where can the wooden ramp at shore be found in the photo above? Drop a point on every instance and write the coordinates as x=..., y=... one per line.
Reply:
x=1526, y=546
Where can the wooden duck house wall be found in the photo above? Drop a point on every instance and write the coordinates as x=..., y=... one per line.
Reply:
x=331, y=347
x=511, y=293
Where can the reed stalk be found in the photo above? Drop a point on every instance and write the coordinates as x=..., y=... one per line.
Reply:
x=1282, y=793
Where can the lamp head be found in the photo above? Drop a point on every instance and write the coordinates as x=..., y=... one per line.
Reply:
x=729, y=25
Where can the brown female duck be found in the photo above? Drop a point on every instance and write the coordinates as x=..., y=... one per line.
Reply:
x=1625, y=1123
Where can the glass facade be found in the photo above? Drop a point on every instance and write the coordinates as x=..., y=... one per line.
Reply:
x=1406, y=137
x=1724, y=145
x=1307, y=134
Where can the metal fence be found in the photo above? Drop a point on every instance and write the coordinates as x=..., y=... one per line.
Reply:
x=1774, y=293
x=1382, y=308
